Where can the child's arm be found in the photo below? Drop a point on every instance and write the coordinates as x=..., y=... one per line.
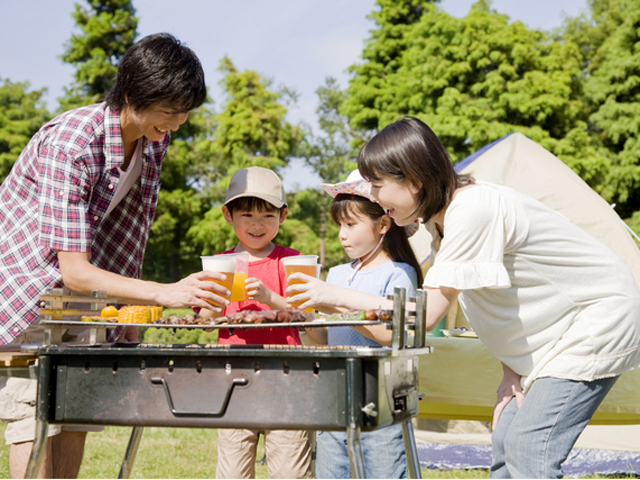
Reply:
x=256, y=290
x=325, y=296
x=318, y=335
x=378, y=333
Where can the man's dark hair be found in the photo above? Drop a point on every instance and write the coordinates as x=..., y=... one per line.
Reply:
x=158, y=69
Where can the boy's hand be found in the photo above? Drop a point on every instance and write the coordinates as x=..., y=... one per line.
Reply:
x=256, y=290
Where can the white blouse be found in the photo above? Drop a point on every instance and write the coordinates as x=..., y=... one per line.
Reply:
x=545, y=297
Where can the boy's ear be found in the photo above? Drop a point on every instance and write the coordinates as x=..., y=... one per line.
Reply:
x=385, y=224
x=227, y=214
x=283, y=215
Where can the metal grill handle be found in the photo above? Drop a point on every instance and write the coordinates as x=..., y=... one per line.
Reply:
x=192, y=413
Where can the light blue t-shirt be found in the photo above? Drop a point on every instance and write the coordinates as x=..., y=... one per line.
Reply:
x=379, y=281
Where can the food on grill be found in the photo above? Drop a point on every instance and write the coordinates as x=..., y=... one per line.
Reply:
x=378, y=314
x=109, y=311
x=355, y=315
x=294, y=315
x=98, y=318
x=134, y=314
x=155, y=312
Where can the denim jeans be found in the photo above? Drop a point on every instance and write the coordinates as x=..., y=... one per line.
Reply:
x=534, y=440
x=383, y=450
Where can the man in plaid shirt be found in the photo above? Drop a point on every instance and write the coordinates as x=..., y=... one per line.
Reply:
x=76, y=210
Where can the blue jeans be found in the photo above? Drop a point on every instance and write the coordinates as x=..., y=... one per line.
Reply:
x=534, y=440
x=383, y=450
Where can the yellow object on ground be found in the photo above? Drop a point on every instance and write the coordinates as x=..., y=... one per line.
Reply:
x=109, y=311
x=134, y=314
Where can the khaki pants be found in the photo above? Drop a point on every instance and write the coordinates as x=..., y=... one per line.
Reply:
x=18, y=396
x=288, y=453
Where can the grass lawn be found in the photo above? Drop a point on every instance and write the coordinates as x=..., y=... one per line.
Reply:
x=171, y=453
x=178, y=453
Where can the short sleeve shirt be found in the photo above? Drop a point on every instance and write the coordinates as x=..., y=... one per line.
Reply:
x=380, y=281
x=56, y=198
x=270, y=271
x=544, y=296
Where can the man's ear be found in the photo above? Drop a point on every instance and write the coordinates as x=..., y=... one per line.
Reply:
x=385, y=224
x=283, y=214
x=227, y=214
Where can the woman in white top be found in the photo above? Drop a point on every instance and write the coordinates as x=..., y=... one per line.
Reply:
x=558, y=308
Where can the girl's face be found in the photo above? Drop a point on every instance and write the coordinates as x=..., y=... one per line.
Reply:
x=396, y=198
x=359, y=235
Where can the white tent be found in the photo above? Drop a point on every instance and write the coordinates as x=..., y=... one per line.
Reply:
x=520, y=163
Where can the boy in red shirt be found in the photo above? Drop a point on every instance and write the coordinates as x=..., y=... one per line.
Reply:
x=256, y=206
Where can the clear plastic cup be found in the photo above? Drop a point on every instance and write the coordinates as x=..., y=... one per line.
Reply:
x=221, y=263
x=307, y=264
x=241, y=273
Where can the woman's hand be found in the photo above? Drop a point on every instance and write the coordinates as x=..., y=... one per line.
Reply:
x=313, y=292
x=509, y=388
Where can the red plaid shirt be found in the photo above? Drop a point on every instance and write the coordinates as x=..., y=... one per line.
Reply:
x=55, y=199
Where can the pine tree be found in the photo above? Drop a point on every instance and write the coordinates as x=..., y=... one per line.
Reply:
x=108, y=29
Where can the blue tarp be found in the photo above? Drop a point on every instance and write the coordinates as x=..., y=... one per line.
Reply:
x=581, y=462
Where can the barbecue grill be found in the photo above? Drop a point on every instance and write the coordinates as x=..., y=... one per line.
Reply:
x=232, y=386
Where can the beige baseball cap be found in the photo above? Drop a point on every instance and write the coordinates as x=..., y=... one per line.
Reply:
x=257, y=182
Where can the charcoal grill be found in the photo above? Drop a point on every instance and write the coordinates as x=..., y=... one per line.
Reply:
x=234, y=386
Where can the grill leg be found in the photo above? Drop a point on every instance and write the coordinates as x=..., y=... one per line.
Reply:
x=38, y=449
x=356, y=457
x=413, y=463
x=130, y=453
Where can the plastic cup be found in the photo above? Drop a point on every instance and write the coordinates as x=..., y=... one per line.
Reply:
x=241, y=273
x=221, y=263
x=307, y=264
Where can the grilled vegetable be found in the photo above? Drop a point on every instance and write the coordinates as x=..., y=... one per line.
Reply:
x=134, y=314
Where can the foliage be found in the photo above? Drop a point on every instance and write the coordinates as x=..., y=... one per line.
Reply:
x=473, y=80
x=21, y=115
x=613, y=88
x=108, y=29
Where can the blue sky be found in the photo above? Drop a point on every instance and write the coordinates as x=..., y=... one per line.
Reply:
x=297, y=43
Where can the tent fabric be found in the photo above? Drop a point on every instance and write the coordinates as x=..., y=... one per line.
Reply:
x=522, y=164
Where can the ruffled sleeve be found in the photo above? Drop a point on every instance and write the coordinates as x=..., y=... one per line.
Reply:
x=471, y=252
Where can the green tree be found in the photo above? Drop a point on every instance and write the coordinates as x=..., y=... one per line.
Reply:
x=108, y=29
x=473, y=80
x=382, y=57
x=22, y=113
x=613, y=92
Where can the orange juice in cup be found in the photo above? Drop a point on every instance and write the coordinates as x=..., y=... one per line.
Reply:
x=225, y=264
x=241, y=273
x=307, y=264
